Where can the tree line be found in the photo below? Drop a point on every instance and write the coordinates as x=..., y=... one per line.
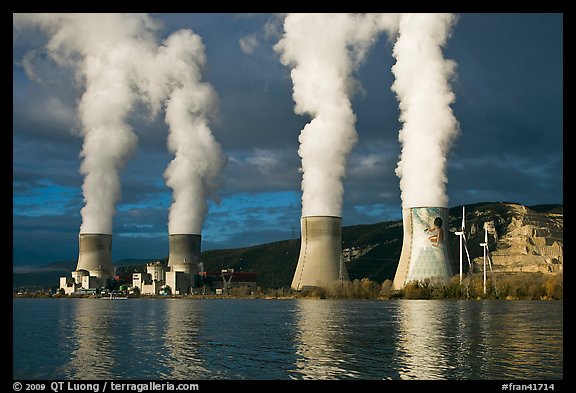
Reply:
x=519, y=286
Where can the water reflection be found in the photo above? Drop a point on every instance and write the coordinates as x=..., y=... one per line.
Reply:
x=518, y=342
x=296, y=339
x=322, y=330
x=477, y=340
x=421, y=340
x=469, y=342
x=93, y=341
x=181, y=340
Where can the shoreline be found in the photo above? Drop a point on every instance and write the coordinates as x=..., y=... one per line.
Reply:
x=265, y=297
x=527, y=286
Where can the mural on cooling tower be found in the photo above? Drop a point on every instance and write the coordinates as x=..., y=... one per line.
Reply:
x=429, y=249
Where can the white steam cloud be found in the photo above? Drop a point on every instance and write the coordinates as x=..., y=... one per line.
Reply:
x=100, y=49
x=117, y=59
x=422, y=86
x=323, y=51
x=172, y=77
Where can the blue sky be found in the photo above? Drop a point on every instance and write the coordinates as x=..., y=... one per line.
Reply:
x=509, y=103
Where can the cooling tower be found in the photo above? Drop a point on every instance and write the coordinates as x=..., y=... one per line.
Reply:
x=95, y=255
x=319, y=262
x=184, y=253
x=425, y=246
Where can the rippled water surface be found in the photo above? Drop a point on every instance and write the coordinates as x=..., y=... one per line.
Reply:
x=286, y=339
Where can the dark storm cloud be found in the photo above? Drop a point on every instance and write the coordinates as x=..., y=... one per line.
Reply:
x=44, y=117
x=505, y=178
x=262, y=170
x=44, y=239
x=59, y=163
x=142, y=222
x=142, y=178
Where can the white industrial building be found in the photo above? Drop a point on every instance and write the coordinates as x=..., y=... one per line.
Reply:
x=157, y=276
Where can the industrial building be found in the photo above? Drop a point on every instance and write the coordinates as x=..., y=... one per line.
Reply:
x=158, y=280
x=220, y=282
x=180, y=276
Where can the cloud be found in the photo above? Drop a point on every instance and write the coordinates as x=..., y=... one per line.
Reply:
x=273, y=26
x=249, y=43
x=368, y=165
x=27, y=64
x=261, y=170
x=265, y=160
x=44, y=115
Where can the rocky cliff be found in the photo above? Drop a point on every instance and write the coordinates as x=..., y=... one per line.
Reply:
x=520, y=239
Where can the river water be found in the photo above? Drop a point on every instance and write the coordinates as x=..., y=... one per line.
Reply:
x=257, y=339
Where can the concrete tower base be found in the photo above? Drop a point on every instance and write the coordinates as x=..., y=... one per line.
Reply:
x=425, y=246
x=184, y=258
x=95, y=256
x=319, y=263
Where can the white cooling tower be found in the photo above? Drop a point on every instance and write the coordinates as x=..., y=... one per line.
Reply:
x=425, y=246
x=319, y=262
x=184, y=253
x=95, y=255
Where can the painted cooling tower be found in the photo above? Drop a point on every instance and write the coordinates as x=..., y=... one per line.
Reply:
x=184, y=253
x=319, y=262
x=425, y=246
x=95, y=255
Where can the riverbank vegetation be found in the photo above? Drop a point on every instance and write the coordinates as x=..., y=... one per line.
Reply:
x=522, y=286
x=519, y=286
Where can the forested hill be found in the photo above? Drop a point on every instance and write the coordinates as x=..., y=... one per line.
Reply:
x=373, y=251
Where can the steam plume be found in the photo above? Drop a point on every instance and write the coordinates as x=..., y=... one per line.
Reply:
x=424, y=94
x=100, y=50
x=117, y=59
x=173, y=78
x=323, y=51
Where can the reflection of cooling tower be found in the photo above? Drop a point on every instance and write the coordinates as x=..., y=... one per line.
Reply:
x=425, y=246
x=184, y=253
x=320, y=252
x=95, y=254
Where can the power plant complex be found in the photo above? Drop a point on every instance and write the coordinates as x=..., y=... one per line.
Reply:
x=320, y=81
x=180, y=276
x=320, y=263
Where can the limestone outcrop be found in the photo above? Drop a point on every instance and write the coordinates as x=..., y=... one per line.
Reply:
x=521, y=239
